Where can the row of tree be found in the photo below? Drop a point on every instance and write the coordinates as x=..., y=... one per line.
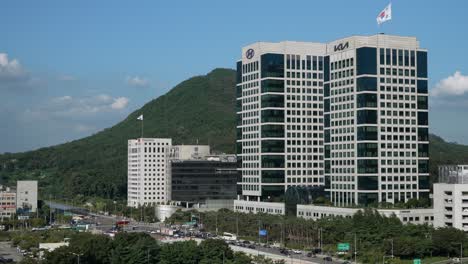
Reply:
x=140, y=248
x=375, y=234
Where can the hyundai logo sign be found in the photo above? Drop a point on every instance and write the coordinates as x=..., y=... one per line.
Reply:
x=341, y=47
x=249, y=53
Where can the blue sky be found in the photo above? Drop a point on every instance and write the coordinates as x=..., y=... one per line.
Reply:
x=71, y=68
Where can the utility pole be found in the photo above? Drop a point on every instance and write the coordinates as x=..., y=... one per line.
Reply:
x=355, y=249
x=237, y=224
x=392, y=248
x=216, y=223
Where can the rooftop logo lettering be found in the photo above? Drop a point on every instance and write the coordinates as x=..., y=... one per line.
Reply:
x=249, y=53
x=341, y=47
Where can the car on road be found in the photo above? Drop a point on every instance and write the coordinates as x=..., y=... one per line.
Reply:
x=327, y=258
x=311, y=255
x=297, y=251
x=455, y=260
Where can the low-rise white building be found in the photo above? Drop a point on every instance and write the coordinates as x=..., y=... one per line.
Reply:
x=315, y=212
x=451, y=197
x=451, y=205
x=413, y=216
x=259, y=207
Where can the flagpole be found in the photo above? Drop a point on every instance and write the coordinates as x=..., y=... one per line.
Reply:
x=142, y=127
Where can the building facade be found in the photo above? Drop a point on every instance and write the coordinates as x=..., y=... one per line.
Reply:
x=7, y=202
x=376, y=120
x=148, y=171
x=451, y=197
x=280, y=118
x=26, y=196
x=351, y=115
x=189, y=152
x=195, y=181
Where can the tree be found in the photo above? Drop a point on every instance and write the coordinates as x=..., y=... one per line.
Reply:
x=180, y=253
x=214, y=251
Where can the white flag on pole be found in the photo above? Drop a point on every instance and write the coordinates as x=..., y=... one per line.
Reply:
x=140, y=118
x=385, y=15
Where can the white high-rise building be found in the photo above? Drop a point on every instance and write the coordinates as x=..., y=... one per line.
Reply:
x=351, y=115
x=26, y=196
x=280, y=136
x=148, y=171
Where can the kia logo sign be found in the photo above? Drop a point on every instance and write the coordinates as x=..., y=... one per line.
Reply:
x=341, y=47
x=249, y=53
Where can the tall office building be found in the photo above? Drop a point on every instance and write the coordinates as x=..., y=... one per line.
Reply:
x=148, y=171
x=351, y=115
x=376, y=120
x=280, y=136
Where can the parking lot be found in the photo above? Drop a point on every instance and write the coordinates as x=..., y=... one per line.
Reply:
x=8, y=252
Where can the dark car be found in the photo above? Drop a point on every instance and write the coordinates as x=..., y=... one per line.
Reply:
x=251, y=246
x=311, y=255
x=327, y=258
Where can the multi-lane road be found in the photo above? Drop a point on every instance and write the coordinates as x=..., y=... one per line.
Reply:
x=106, y=222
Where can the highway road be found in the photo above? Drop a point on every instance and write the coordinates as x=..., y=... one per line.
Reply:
x=105, y=223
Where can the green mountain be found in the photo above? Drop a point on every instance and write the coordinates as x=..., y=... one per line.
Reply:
x=199, y=109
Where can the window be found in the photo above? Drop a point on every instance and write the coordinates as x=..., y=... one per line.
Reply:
x=366, y=84
x=272, y=65
x=422, y=64
x=366, y=60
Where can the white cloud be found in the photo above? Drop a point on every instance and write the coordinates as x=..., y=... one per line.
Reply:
x=454, y=85
x=68, y=106
x=11, y=70
x=119, y=103
x=137, y=81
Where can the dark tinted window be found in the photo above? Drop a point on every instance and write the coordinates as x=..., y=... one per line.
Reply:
x=367, y=133
x=272, y=161
x=273, y=176
x=272, y=100
x=422, y=119
x=422, y=102
x=272, y=116
x=274, y=131
x=422, y=86
x=423, y=166
x=326, y=89
x=326, y=71
x=272, y=65
x=366, y=60
x=367, y=150
x=239, y=72
x=424, y=182
x=275, y=86
x=367, y=117
x=327, y=105
x=422, y=64
x=366, y=100
x=366, y=84
x=368, y=166
x=327, y=120
x=272, y=146
x=423, y=150
x=368, y=198
x=368, y=183
x=423, y=134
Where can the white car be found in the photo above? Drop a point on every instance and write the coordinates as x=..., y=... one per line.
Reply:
x=297, y=251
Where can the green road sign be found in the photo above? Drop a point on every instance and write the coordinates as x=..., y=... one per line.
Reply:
x=343, y=246
x=416, y=261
